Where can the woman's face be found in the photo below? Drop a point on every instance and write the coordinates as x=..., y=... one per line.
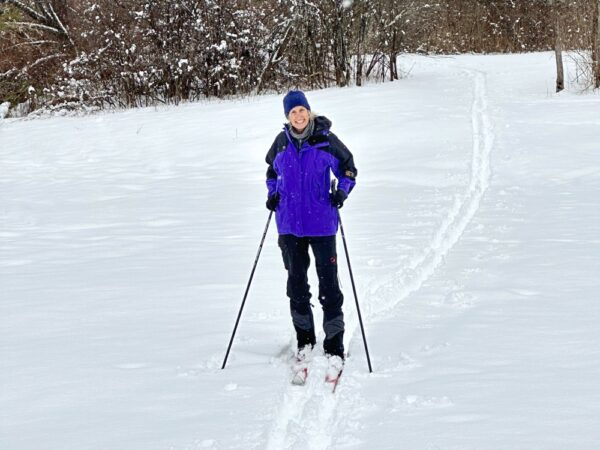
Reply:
x=299, y=117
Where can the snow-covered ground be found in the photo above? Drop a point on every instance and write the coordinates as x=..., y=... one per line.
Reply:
x=127, y=240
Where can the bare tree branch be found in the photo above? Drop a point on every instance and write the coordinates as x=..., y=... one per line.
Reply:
x=40, y=42
x=42, y=60
x=37, y=25
x=25, y=8
x=8, y=73
x=62, y=27
x=44, y=17
x=275, y=56
x=45, y=7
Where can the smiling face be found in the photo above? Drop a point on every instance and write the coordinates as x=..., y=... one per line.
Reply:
x=299, y=118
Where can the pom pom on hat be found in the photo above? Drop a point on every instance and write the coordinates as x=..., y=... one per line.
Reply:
x=293, y=99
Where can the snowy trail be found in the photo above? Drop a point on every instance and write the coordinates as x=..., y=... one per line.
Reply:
x=307, y=415
x=385, y=296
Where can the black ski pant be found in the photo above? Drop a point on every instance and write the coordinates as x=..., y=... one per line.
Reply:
x=297, y=261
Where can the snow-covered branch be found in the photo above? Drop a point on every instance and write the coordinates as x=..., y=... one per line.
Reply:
x=60, y=24
x=39, y=42
x=407, y=9
x=42, y=60
x=34, y=25
x=25, y=8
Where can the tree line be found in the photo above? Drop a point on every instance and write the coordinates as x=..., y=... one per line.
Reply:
x=124, y=53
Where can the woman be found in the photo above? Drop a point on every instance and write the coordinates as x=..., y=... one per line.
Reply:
x=301, y=161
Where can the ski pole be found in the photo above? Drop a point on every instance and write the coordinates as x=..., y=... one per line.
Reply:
x=362, y=328
x=262, y=241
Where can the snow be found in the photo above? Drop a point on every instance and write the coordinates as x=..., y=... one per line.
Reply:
x=4, y=107
x=127, y=240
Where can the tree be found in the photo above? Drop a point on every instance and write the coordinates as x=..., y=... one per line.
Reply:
x=36, y=39
x=362, y=15
x=60, y=54
x=596, y=45
x=557, y=9
x=339, y=45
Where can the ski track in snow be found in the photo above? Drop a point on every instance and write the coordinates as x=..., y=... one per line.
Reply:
x=386, y=296
x=307, y=414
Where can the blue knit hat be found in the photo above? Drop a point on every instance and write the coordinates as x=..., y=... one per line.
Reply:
x=293, y=99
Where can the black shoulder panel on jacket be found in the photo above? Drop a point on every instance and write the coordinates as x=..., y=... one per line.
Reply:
x=279, y=145
x=317, y=139
x=341, y=152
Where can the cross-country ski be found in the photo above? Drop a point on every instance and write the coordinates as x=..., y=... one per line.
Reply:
x=300, y=366
x=335, y=367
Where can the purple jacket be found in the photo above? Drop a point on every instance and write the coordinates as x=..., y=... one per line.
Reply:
x=302, y=177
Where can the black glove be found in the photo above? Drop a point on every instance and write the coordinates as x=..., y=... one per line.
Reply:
x=338, y=197
x=273, y=201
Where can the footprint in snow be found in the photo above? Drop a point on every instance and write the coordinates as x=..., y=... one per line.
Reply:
x=419, y=402
x=459, y=299
x=399, y=363
x=433, y=348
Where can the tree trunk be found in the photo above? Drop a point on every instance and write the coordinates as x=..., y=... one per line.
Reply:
x=596, y=46
x=560, y=71
x=360, y=57
x=340, y=55
x=393, y=58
